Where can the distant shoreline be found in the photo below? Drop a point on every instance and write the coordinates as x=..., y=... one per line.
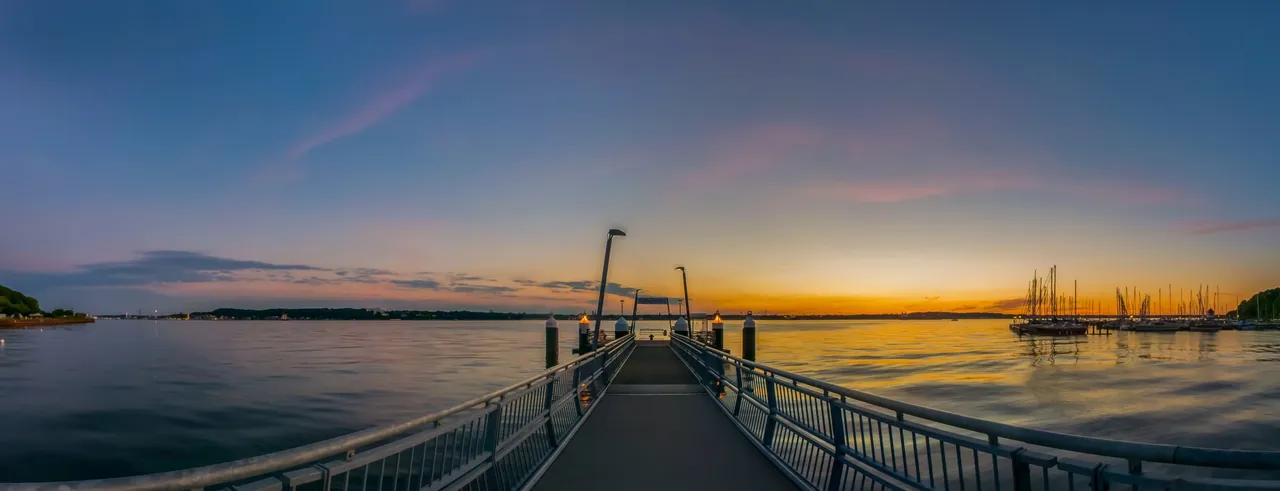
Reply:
x=459, y=315
x=43, y=322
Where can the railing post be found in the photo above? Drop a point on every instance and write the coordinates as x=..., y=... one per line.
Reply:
x=737, y=372
x=551, y=417
x=492, y=428
x=770, y=425
x=836, y=481
x=577, y=389
x=604, y=369
x=1021, y=471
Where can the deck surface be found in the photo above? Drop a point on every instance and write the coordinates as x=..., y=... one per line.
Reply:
x=655, y=429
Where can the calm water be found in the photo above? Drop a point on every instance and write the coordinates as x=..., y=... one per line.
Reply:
x=126, y=397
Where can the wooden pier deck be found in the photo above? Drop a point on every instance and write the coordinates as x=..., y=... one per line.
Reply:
x=656, y=428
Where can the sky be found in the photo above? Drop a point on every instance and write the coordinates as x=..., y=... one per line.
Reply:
x=806, y=156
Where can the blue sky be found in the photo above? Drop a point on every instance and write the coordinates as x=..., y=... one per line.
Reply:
x=807, y=155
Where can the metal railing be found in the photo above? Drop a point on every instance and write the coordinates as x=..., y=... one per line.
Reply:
x=827, y=437
x=497, y=441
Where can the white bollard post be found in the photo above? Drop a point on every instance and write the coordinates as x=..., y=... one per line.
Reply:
x=681, y=328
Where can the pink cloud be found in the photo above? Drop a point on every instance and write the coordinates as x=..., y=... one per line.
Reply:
x=755, y=150
x=384, y=104
x=1206, y=227
x=1126, y=194
x=901, y=190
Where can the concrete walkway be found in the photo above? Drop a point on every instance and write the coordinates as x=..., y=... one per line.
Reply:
x=656, y=429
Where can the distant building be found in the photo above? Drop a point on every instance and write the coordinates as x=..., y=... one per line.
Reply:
x=284, y=317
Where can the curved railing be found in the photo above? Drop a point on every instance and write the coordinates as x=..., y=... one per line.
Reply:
x=497, y=441
x=830, y=437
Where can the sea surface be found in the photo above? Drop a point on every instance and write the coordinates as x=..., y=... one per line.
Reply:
x=127, y=397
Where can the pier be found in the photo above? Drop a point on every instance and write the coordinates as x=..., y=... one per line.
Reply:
x=675, y=414
x=657, y=429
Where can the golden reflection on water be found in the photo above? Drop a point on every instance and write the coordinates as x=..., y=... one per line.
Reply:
x=1184, y=387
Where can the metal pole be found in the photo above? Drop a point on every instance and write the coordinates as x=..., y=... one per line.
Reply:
x=635, y=303
x=604, y=283
x=684, y=277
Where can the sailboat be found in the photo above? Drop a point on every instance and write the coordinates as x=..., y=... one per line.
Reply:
x=1037, y=323
x=1146, y=324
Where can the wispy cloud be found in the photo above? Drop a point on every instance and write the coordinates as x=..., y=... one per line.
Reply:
x=377, y=107
x=417, y=284
x=900, y=190
x=386, y=103
x=1006, y=305
x=1124, y=194
x=154, y=267
x=756, y=150
x=1206, y=227
x=569, y=285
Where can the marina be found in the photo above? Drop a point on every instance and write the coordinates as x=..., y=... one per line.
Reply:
x=1048, y=313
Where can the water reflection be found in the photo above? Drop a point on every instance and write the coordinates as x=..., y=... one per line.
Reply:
x=118, y=398
x=1207, y=389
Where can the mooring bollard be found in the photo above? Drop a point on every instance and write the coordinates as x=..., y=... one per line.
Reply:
x=553, y=341
x=621, y=328
x=717, y=331
x=681, y=328
x=584, y=335
x=749, y=338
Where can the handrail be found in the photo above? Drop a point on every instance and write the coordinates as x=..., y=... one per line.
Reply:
x=816, y=434
x=1150, y=452
x=227, y=472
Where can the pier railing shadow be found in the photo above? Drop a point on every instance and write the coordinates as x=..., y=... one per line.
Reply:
x=827, y=437
x=500, y=440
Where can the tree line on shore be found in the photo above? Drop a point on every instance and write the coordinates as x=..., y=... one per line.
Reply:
x=1262, y=305
x=14, y=304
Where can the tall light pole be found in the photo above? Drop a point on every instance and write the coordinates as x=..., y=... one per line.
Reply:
x=604, y=282
x=685, y=278
x=635, y=304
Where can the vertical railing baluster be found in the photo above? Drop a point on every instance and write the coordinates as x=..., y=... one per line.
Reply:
x=546, y=406
x=959, y=467
x=864, y=434
x=977, y=471
x=771, y=424
x=902, y=445
x=1021, y=471
x=915, y=452
x=880, y=431
x=737, y=373
x=840, y=438
x=995, y=470
x=946, y=478
x=491, y=441
x=928, y=458
x=577, y=389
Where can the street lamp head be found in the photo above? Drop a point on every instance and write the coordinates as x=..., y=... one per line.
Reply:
x=681, y=268
x=616, y=231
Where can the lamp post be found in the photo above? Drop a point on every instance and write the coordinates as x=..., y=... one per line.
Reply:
x=604, y=282
x=635, y=303
x=685, y=278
